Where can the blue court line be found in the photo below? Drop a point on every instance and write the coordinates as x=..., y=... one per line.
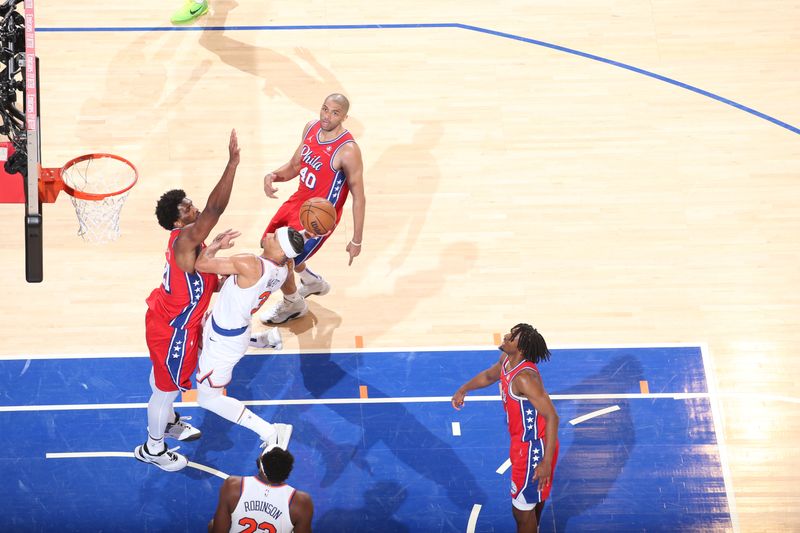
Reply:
x=456, y=25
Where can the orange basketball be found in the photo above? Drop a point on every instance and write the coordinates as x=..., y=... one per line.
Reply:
x=318, y=215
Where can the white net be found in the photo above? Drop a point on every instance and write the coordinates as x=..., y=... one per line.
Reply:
x=103, y=175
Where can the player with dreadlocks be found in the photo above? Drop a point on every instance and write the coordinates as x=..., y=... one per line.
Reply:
x=532, y=420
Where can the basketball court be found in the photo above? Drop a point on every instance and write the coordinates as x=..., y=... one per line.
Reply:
x=622, y=176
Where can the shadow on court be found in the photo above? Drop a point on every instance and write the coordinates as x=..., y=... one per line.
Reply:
x=381, y=502
x=588, y=469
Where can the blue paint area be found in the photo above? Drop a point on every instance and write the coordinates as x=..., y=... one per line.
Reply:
x=653, y=465
x=324, y=375
x=468, y=27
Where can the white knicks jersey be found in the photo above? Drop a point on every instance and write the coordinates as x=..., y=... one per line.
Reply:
x=235, y=305
x=262, y=508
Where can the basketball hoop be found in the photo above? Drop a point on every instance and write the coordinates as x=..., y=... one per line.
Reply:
x=98, y=185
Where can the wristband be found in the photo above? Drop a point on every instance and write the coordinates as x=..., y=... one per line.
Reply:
x=355, y=243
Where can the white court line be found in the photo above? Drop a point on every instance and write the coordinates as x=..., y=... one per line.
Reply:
x=81, y=455
x=594, y=414
x=335, y=401
x=503, y=467
x=711, y=381
x=473, y=518
x=78, y=455
x=456, y=429
x=482, y=347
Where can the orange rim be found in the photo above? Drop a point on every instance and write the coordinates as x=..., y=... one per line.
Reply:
x=96, y=196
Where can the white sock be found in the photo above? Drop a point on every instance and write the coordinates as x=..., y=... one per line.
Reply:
x=199, y=1
x=155, y=446
x=293, y=298
x=233, y=410
x=253, y=422
x=159, y=413
x=309, y=277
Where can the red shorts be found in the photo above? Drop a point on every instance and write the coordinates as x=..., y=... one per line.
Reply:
x=289, y=215
x=173, y=353
x=525, y=491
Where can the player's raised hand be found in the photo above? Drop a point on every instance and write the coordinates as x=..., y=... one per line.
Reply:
x=233, y=149
x=224, y=240
x=269, y=190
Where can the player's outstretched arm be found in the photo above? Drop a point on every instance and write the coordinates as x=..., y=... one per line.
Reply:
x=529, y=384
x=353, y=167
x=301, y=512
x=228, y=499
x=288, y=171
x=244, y=265
x=196, y=233
x=481, y=380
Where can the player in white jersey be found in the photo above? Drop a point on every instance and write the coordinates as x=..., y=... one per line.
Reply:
x=264, y=502
x=226, y=335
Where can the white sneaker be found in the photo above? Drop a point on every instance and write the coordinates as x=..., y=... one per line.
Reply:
x=283, y=435
x=319, y=287
x=284, y=311
x=280, y=439
x=181, y=430
x=270, y=338
x=167, y=460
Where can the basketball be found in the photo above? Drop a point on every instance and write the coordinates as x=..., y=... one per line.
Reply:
x=318, y=215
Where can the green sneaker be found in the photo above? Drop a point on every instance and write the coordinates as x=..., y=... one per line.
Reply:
x=190, y=11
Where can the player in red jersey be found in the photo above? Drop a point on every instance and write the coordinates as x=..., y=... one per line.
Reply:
x=532, y=421
x=329, y=164
x=173, y=322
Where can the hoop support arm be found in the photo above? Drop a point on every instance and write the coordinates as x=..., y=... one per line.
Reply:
x=50, y=184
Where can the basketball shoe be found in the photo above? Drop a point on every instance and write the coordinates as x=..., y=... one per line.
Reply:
x=270, y=338
x=284, y=312
x=168, y=460
x=318, y=287
x=189, y=11
x=283, y=433
x=181, y=430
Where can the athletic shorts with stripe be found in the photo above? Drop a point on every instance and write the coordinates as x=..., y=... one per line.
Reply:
x=222, y=349
x=525, y=457
x=289, y=215
x=173, y=353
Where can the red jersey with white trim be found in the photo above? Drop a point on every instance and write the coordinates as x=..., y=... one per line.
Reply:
x=318, y=178
x=182, y=298
x=525, y=424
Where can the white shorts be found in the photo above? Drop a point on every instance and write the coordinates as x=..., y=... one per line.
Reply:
x=222, y=349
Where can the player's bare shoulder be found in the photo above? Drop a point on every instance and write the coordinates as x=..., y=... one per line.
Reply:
x=231, y=490
x=348, y=157
x=301, y=511
x=527, y=381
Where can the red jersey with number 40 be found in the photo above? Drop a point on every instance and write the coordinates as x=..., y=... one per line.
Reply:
x=318, y=178
x=525, y=424
x=182, y=298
